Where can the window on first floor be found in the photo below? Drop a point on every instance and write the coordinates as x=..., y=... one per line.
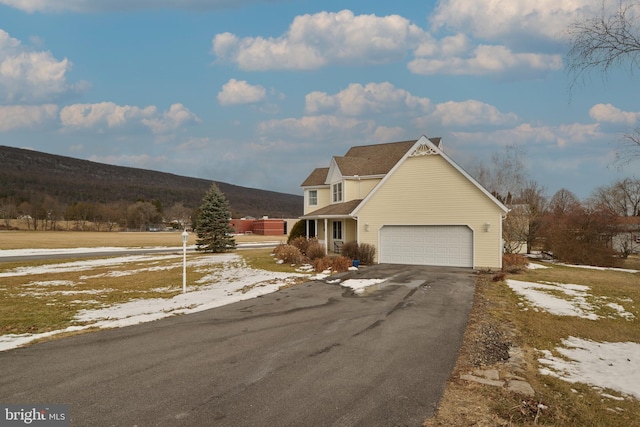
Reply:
x=337, y=192
x=313, y=197
x=337, y=230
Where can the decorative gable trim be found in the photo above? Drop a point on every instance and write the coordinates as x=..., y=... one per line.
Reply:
x=423, y=150
x=430, y=147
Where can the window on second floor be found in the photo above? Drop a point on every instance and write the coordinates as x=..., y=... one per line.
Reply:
x=313, y=197
x=337, y=192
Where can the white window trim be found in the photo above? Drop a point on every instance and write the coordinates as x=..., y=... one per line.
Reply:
x=333, y=230
x=313, y=201
x=337, y=196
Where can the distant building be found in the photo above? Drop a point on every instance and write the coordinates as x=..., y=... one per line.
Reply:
x=262, y=227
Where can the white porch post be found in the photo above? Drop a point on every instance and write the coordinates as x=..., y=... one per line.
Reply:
x=306, y=226
x=357, y=230
x=326, y=237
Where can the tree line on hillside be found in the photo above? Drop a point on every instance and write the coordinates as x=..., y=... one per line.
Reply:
x=51, y=183
x=49, y=214
x=601, y=230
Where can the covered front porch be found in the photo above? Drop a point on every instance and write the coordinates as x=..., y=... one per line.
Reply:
x=333, y=225
x=332, y=232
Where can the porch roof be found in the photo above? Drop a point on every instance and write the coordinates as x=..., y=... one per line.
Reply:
x=335, y=210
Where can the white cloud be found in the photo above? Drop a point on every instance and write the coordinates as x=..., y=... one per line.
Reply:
x=387, y=134
x=468, y=113
x=516, y=22
x=317, y=127
x=236, y=92
x=28, y=76
x=372, y=98
x=26, y=116
x=560, y=136
x=177, y=117
x=486, y=60
x=101, y=114
x=116, y=5
x=108, y=115
x=609, y=114
x=313, y=41
x=329, y=38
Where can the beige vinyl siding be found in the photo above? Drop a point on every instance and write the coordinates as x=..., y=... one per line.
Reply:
x=323, y=199
x=359, y=189
x=350, y=230
x=427, y=190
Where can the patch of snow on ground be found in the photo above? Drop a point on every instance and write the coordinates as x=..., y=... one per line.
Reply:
x=593, y=267
x=82, y=265
x=620, y=310
x=612, y=365
x=572, y=303
x=47, y=294
x=534, y=266
x=72, y=251
x=232, y=283
x=359, y=285
x=51, y=283
x=540, y=296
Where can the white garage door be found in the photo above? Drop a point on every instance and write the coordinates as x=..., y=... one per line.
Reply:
x=446, y=245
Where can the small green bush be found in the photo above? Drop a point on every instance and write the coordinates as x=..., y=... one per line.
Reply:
x=299, y=229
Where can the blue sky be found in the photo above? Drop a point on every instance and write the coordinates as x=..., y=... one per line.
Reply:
x=259, y=92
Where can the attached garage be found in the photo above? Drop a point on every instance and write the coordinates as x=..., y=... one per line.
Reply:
x=438, y=245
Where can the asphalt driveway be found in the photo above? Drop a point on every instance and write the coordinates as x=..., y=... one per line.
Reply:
x=315, y=354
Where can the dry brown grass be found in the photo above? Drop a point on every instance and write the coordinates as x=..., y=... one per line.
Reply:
x=87, y=239
x=573, y=405
x=36, y=303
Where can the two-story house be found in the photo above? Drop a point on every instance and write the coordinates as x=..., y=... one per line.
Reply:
x=410, y=201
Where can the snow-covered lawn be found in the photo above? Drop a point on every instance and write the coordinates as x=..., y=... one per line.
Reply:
x=612, y=365
x=568, y=300
x=227, y=279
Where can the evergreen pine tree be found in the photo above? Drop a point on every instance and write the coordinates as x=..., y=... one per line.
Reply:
x=213, y=229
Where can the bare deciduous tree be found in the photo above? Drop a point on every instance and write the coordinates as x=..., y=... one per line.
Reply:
x=506, y=176
x=609, y=39
x=579, y=234
x=621, y=198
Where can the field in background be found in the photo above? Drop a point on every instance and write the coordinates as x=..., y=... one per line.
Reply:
x=85, y=239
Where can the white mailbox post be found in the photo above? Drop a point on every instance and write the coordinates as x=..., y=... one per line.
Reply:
x=185, y=237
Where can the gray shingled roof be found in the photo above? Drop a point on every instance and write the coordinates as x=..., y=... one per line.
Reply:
x=336, y=209
x=364, y=160
x=317, y=177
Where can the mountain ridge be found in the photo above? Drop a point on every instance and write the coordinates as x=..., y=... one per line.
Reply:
x=27, y=175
